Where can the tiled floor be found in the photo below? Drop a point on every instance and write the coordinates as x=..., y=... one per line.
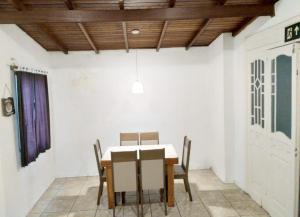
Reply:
x=76, y=197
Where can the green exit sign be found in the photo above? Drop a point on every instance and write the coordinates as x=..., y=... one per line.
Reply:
x=292, y=32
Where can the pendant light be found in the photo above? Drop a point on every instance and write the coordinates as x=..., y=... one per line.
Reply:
x=137, y=87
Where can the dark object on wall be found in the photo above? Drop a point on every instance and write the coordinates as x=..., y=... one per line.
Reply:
x=292, y=32
x=33, y=112
x=8, y=107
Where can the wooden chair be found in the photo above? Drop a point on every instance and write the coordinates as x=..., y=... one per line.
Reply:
x=152, y=173
x=129, y=139
x=99, y=145
x=149, y=138
x=125, y=174
x=182, y=171
x=101, y=171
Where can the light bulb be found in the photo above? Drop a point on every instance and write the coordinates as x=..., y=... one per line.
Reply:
x=137, y=88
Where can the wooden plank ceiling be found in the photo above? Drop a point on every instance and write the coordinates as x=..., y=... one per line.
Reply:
x=160, y=33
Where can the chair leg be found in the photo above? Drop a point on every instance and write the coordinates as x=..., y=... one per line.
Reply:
x=187, y=184
x=138, y=202
x=141, y=200
x=100, y=193
x=116, y=199
x=114, y=205
x=161, y=192
x=165, y=201
x=123, y=197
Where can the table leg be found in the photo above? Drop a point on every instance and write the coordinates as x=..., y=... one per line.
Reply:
x=110, y=193
x=170, y=173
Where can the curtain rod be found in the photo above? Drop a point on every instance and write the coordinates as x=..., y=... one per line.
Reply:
x=16, y=68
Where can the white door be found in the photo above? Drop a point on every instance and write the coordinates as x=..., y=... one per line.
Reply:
x=257, y=133
x=272, y=150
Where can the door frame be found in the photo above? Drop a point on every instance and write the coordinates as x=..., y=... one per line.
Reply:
x=297, y=193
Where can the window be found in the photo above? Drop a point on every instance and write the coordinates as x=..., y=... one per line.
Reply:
x=281, y=98
x=258, y=93
x=33, y=115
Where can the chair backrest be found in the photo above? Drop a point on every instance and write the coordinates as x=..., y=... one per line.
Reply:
x=125, y=171
x=149, y=138
x=152, y=169
x=186, y=154
x=99, y=147
x=129, y=139
x=98, y=158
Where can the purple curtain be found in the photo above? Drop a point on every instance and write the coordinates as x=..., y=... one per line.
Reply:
x=34, y=121
x=42, y=113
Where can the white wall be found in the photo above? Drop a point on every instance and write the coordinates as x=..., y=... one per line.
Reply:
x=93, y=99
x=222, y=145
x=21, y=186
x=2, y=199
x=217, y=147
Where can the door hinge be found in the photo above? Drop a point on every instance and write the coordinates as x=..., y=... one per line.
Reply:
x=297, y=72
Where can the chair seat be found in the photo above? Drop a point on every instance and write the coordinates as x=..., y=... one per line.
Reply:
x=178, y=172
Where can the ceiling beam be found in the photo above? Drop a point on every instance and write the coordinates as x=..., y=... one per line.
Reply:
x=88, y=37
x=69, y=4
x=243, y=26
x=222, y=2
x=45, y=30
x=17, y=5
x=159, y=14
x=85, y=32
x=200, y=31
x=121, y=4
x=42, y=28
x=164, y=28
x=162, y=35
x=202, y=28
x=124, y=26
x=172, y=3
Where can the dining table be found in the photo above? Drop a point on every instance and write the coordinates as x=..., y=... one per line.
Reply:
x=171, y=158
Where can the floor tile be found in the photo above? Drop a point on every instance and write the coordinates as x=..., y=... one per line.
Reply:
x=131, y=200
x=131, y=211
x=103, y=203
x=256, y=215
x=211, y=196
x=75, y=182
x=248, y=208
x=33, y=215
x=77, y=197
x=55, y=214
x=158, y=209
x=235, y=195
x=57, y=183
x=39, y=207
x=82, y=214
x=68, y=192
x=85, y=203
x=49, y=194
x=184, y=197
x=221, y=209
x=64, y=205
x=192, y=209
x=109, y=212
